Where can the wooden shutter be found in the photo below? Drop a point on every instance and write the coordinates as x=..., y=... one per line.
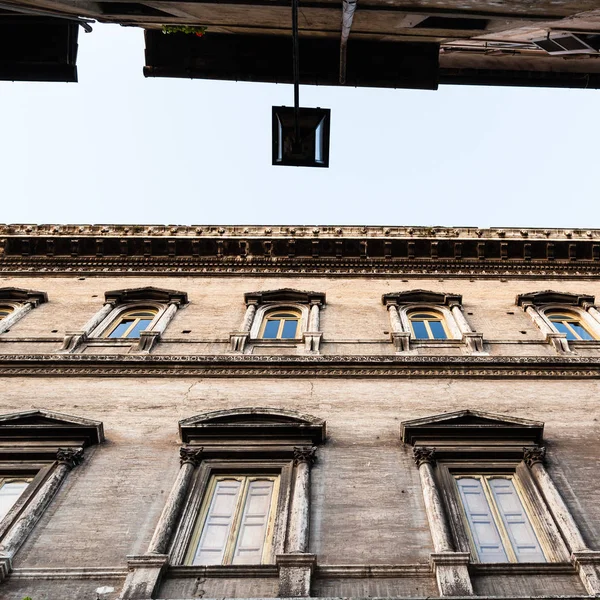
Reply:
x=484, y=532
x=255, y=519
x=10, y=492
x=218, y=522
x=516, y=522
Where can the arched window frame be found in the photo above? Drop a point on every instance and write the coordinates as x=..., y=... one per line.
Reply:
x=449, y=306
x=265, y=310
x=94, y=332
x=538, y=304
x=309, y=304
x=21, y=301
x=14, y=306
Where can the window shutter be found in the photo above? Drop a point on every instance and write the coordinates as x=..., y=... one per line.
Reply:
x=522, y=536
x=484, y=532
x=217, y=525
x=10, y=492
x=251, y=538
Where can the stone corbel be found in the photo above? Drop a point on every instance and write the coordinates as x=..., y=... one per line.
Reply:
x=473, y=342
x=312, y=341
x=401, y=341
x=144, y=573
x=452, y=573
x=238, y=341
x=559, y=341
x=295, y=574
x=72, y=340
x=147, y=341
x=587, y=564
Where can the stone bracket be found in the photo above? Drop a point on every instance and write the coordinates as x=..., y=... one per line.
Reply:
x=587, y=563
x=238, y=341
x=147, y=341
x=452, y=573
x=73, y=339
x=559, y=341
x=474, y=342
x=295, y=574
x=144, y=574
x=312, y=341
x=5, y=566
x=401, y=341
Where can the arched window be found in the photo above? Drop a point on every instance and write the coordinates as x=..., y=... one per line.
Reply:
x=428, y=325
x=10, y=491
x=130, y=323
x=565, y=322
x=280, y=325
x=5, y=311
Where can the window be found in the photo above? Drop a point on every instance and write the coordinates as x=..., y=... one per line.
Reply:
x=499, y=527
x=428, y=326
x=130, y=323
x=235, y=525
x=5, y=311
x=280, y=325
x=418, y=317
x=569, y=324
x=11, y=489
x=133, y=319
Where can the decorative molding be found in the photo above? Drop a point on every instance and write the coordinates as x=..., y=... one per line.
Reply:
x=305, y=455
x=71, y=457
x=12, y=294
x=143, y=294
x=285, y=295
x=424, y=455
x=533, y=455
x=192, y=456
x=552, y=297
x=124, y=365
x=422, y=297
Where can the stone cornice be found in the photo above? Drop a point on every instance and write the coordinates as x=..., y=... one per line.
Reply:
x=314, y=251
x=50, y=365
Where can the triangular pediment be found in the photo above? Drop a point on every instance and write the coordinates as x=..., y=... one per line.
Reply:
x=421, y=297
x=285, y=295
x=551, y=297
x=256, y=422
x=148, y=293
x=41, y=424
x=468, y=425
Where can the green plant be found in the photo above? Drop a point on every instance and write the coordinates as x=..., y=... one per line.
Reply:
x=197, y=30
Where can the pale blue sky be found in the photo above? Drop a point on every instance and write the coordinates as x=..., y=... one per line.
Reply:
x=119, y=148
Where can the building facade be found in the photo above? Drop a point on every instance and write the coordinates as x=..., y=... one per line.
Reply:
x=263, y=412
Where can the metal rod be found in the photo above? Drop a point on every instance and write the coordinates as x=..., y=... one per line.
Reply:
x=296, y=60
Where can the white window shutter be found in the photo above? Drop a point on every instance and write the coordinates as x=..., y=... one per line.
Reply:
x=484, y=532
x=516, y=522
x=217, y=526
x=10, y=492
x=255, y=518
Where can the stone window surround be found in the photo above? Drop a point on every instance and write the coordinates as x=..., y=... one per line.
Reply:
x=451, y=559
x=46, y=451
x=166, y=303
x=449, y=306
x=237, y=440
x=536, y=304
x=258, y=304
x=22, y=301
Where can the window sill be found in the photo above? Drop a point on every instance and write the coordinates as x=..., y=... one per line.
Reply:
x=275, y=343
x=227, y=571
x=522, y=568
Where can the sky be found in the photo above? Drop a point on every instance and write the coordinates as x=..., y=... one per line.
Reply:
x=119, y=148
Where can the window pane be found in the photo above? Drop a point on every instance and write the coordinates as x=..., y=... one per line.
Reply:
x=251, y=538
x=522, y=536
x=438, y=330
x=271, y=329
x=562, y=328
x=141, y=325
x=420, y=331
x=484, y=532
x=289, y=329
x=9, y=493
x=5, y=311
x=583, y=334
x=217, y=526
x=121, y=328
